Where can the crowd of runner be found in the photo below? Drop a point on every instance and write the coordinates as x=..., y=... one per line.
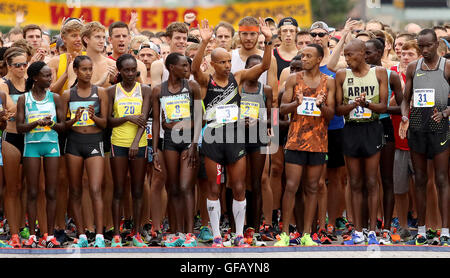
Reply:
x=231, y=137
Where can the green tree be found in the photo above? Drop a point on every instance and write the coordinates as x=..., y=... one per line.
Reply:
x=333, y=12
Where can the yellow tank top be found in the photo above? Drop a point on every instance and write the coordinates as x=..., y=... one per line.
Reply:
x=62, y=68
x=126, y=104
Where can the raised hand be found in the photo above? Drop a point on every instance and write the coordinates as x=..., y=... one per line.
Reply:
x=206, y=31
x=265, y=29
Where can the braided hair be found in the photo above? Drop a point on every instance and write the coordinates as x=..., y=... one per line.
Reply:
x=32, y=71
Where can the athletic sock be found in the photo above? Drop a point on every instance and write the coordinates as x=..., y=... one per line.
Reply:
x=214, y=216
x=83, y=236
x=422, y=230
x=99, y=236
x=445, y=232
x=239, y=215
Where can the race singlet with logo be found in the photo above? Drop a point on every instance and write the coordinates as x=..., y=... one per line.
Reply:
x=36, y=110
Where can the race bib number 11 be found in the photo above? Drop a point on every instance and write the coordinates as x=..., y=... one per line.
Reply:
x=423, y=98
x=308, y=107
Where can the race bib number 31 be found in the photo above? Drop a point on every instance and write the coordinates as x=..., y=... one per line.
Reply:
x=249, y=109
x=423, y=98
x=308, y=107
x=360, y=112
x=227, y=113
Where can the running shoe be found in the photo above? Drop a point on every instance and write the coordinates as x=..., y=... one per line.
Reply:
x=395, y=222
x=372, y=239
x=61, y=236
x=340, y=223
x=295, y=239
x=358, y=238
x=308, y=241
x=267, y=233
x=323, y=237
x=165, y=227
x=43, y=241
x=315, y=238
x=99, y=242
x=248, y=234
x=138, y=242
x=386, y=237
x=53, y=243
x=205, y=234
x=109, y=234
x=90, y=236
x=283, y=240
x=116, y=241
x=432, y=237
x=32, y=242
x=444, y=240
x=190, y=241
x=349, y=229
x=330, y=229
x=380, y=224
x=25, y=233
x=292, y=228
x=217, y=242
x=347, y=240
x=412, y=222
x=156, y=238
x=146, y=236
x=15, y=241
x=197, y=222
x=4, y=244
x=81, y=242
x=405, y=234
x=147, y=227
x=418, y=240
x=225, y=223
x=175, y=241
x=240, y=241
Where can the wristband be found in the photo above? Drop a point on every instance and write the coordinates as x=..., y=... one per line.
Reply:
x=444, y=115
x=405, y=119
x=366, y=104
x=268, y=43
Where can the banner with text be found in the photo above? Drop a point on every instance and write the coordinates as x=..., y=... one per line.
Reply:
x=52, y=14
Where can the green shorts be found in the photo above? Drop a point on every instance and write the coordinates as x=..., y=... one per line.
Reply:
x=44, y=149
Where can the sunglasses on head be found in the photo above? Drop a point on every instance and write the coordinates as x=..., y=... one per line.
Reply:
x=321, y=35
x=19, y=65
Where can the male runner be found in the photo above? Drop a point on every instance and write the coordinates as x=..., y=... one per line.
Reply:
x=361, y=94
x=309, y=98
x=221, y=99
x=427, y=84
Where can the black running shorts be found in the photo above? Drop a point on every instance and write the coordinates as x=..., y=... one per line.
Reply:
x=362, y=140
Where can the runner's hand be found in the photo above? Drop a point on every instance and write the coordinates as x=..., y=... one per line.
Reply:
x=192, y=155
x=156, y=163
x=91, y=111
x=299, y=98
x=206, y=31
x=137, y=120
x=133, y=151
x=133, y=21
x=349, y=25
x=78, y=113
x=321, y=98
x=69, y=60
x=437, y=116
x=403, y=129
x=265, y=29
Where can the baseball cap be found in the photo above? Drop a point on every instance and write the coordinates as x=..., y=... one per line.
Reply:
x=321, y=25
x=288, y=21
x=267, y=19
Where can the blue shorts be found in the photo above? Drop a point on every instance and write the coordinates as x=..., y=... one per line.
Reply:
x=44, y=149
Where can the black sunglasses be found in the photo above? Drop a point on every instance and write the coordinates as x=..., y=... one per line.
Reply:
x=321, y=35
x=19, y=65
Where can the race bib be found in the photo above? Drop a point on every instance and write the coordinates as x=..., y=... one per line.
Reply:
x=249, y=109
x=360, y=112
x=128, y=108
x=423, y=98
x=309, y=107
x=148, y=129
x=84, y=120
x=178, y=109
x=227, y=113
x=37, y=116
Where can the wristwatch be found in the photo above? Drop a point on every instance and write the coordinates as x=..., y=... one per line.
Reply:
x=405, y=119
x=268, y=43
x=366, y=104
x=444, y=115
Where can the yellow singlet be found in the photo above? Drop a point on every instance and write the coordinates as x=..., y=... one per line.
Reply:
x=126, y=104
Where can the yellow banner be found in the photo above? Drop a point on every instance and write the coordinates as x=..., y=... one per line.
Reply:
x=52, y=14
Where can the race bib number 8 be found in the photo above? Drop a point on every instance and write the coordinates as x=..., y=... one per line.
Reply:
x=148, y=129
x=227, y=113
x=249, y=109
x=35, y=117
x=360, y=112
x=129, y=108
x=423, y=98
x=178, y=109
x=308, y=107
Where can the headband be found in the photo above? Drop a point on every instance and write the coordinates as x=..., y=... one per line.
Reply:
x=248, y=29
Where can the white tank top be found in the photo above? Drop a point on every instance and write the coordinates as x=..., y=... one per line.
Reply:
x=237, y=64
